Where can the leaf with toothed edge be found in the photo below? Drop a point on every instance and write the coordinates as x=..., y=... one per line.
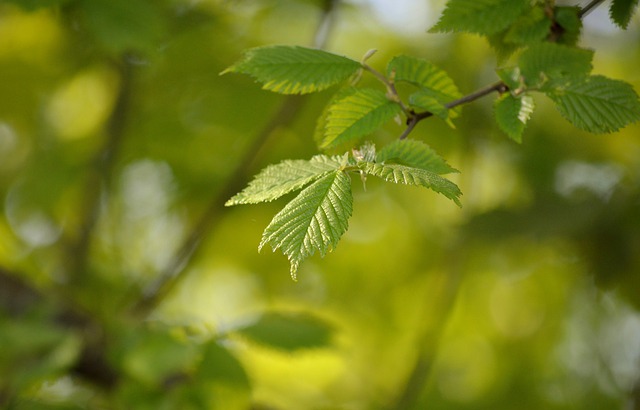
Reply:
x=313, y=221
x=415, y=154
x=413, y=176
x=596, y=104
x=277, y=180
x=294, y=69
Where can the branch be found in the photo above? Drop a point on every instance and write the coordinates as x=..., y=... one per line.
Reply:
x=414, y=119
x=589, y=7
x=175, y=270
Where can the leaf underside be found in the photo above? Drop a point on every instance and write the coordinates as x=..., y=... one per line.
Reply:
x=294, y=69
x=512, y=114
x=277, y=180
x=415, y=154
x=313, y=221
x=413, y=176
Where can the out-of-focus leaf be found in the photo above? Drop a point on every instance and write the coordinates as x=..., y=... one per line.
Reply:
x=479, y=16
x=621, y=11
x=290, y=332
x=123, y=25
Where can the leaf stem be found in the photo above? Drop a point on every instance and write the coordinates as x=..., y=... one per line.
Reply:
x=392, y=93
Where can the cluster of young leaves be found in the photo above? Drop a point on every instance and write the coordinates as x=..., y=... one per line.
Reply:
x=548, y=61
x=540, y=35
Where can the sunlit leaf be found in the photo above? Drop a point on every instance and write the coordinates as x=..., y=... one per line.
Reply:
x=415, y=154
x=277, y=180
x=479, y=16
x=597, y=104
x=359, y=113
x=401, y=174
x=289, y=331
x=512, y=114
x=313, y=221
x=294, y=69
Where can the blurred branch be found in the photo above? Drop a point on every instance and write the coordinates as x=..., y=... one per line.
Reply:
x=284, y=116
x=589, y=7
x=100, y=176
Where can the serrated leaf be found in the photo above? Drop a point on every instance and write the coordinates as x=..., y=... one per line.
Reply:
x=512, y=114
x=621, y=11
x=548, y=60
x=423, y=74
x=277, y=180
x=313, y=221
x=359, y=113
x=479, y=16
x=415, y=154
x=597, y=104
x=290, y=331
x=294, y=69
x=529, y=28
x=413, y=176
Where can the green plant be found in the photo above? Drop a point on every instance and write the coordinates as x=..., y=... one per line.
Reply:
x=536, y=42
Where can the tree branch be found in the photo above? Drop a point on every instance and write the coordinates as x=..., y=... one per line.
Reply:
x=414, y=119
x=589, y=7
x=173, y=273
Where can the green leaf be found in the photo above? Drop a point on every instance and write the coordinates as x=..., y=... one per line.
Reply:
x=425, y=75
x=358, y=113
x=313, y=221
x=479, y=16
x=436, y=87
x=277, y=180
x=570, y=23
x=621, y=11
x=597, y=104
x=413, y=176
x=415, y=154
x=543, y=61
x=290, y=331
x=219, y=365
x=512, y=114
x=529, y=28
x=294, y=69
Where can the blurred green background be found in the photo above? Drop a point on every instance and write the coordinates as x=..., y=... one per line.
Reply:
x=120, y=141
